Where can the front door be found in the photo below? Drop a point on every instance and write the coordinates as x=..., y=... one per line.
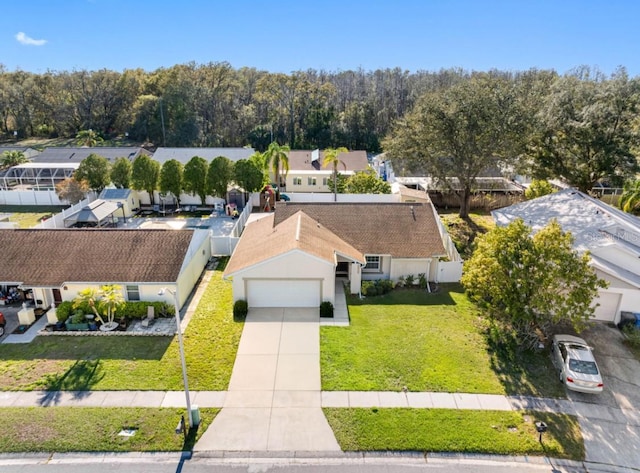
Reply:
x=57, y=297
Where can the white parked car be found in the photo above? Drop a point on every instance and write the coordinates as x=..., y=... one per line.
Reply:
x=578, y=368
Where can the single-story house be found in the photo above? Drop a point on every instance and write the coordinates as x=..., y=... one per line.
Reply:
x=55, y=265
x=293, y=256
x=611, y=236
x=66, y=155
x=184, y=155
x=307, y=174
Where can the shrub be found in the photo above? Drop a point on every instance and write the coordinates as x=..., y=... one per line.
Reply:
x=401, y=282
x=369, y=288
x=326, y=309
x=409, y=279
x=63, y=311
x=422, y=280
x=384, y=286
x=240, y=310
x=78, y=317
x=633, y=335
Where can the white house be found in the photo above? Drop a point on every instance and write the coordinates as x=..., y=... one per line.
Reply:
x=307, y=174
x=611, y=236
x=55, y=265
x=293, y=257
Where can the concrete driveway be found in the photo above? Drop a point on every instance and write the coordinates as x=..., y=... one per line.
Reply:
x=11, y=316
x=274, y=399
x=610, y=421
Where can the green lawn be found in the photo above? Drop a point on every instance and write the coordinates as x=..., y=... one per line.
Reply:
x=27, y=216
x=426, y=342
x=137, y=363
x=448, y=430
x=90, y=429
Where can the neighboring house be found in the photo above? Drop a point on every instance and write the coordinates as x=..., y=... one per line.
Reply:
x=307, y=174
x=67, y=155
x=410, y=195
x=54, y=165
x=183, y=155
x=25, y=150
x=611, y=236
x=293, y=257
x=55, y=265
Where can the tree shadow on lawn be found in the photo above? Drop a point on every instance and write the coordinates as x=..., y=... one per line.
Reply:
x=522, y=372
x=87, y=347
x=80, y=377
x=403, y=296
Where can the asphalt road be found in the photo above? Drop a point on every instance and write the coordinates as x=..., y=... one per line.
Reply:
x=160, y=464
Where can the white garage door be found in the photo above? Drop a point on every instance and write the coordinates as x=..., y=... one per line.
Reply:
x=283, y=293
x=609, y=302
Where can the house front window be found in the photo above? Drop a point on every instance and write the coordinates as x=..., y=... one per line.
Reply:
x=133, y=293
x=373, y=264
x=311, y=181
x=325, y=181
x=297, y=181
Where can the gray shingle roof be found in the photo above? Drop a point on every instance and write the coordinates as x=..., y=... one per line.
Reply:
x=300, y=160
x=185, y=154
x=76, y=155
x=37, y=257
x=396, y=229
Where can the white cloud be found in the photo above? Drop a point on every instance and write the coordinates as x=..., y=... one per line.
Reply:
x=24, y=39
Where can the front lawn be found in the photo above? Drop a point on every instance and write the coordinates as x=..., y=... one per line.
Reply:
x=450, y=430
x=132, y=363
x=96, y=429
x=425, y=342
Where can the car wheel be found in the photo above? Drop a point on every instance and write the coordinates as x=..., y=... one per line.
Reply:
x=1, y=330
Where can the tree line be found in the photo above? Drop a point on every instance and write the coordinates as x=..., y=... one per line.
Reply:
x=202, y=178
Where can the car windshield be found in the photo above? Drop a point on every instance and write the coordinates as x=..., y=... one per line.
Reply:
x=584, y=367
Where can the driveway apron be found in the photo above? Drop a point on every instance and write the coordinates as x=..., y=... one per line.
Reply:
x=274, y=400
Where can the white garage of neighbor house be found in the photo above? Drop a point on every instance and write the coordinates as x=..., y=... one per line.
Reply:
x=52, y=266
x=293, y=257
x=611, y=236
x=289, y=265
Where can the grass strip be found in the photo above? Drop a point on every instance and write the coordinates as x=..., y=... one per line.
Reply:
x=132, y=363
x=96, y=429
x=448, y=430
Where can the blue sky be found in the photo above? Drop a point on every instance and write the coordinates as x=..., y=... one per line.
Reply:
x=284, y=36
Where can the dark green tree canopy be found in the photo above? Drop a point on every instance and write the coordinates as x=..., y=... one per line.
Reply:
x=96, y=170
x=195, y=177
x=145, y=175
x=248, y=175
x=588, y=130
x=121, y=173
x=219, y=176
x=459, y=132
x=531, y=283
x=12, y=158
x=171, y=178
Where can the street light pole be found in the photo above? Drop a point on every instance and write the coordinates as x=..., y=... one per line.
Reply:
x=176, y=304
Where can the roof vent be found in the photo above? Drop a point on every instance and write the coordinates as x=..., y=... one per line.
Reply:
x=413, y=212
x=315, y=155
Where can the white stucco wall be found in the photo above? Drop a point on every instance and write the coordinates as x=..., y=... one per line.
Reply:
x=383, y=273
x=198, y=255
x=292, y=265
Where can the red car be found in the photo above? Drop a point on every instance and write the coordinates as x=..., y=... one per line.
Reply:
x=3, y=322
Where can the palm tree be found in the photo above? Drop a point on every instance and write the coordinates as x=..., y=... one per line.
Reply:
x=90, y=296
x=88, y=138
x=277, y=155
x=12, y=158
x=630, y=199
x=111, y=298
x=331, y=157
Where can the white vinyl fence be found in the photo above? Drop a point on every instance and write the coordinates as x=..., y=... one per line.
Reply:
x=57, y=221
x=29, y=197
x=224, y=245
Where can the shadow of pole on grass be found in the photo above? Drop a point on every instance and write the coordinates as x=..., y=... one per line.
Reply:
x=79, y=378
